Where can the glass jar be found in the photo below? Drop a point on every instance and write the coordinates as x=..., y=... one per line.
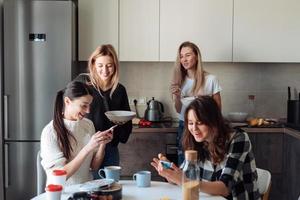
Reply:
x=190, y=176
x=251, y=106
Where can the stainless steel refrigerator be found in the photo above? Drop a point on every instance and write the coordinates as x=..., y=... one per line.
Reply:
x=39, y=50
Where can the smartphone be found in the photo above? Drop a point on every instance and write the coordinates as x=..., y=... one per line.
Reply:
x=166, y=164
x=112, y=128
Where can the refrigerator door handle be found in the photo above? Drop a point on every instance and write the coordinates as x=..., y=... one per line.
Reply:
x=6, y=117
x=6, y=166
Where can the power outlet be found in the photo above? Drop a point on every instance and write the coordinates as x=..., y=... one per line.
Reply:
x=131, y=100
x=142, y=101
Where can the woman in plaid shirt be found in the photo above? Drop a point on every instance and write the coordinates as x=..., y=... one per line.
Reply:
x=226, y=160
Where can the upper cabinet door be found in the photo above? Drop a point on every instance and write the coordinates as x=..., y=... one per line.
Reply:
x=98, y=24
x=208, y=23
x=139, y=30
x=266, y=31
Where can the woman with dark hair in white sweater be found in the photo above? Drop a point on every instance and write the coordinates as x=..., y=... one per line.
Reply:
x=69, y=141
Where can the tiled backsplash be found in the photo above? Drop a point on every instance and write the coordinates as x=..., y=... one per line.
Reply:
x=267, y=81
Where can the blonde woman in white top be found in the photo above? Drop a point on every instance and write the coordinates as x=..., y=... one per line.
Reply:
x=190, y=79
x=69, y=141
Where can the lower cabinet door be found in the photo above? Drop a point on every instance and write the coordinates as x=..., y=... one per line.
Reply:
x=139, y=151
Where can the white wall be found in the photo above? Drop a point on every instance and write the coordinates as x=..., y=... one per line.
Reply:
x=268, y=82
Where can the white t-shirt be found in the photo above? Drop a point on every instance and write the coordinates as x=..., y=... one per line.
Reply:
x=211, y=87
x=52, y=156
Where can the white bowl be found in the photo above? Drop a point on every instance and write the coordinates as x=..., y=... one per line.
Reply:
x=120, y=116
x=187, y=100
x=237, y=116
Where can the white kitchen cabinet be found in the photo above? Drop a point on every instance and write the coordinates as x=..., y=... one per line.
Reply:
x=266, y=31
x=97, y=24
x=208, y=23
x=139, y=30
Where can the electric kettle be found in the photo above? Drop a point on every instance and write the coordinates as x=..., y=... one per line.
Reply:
x=154, y=111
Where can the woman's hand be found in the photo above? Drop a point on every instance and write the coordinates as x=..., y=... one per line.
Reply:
x=107, y=136
x=176, y=96
x=173, y=175
x=176, y=91
x=99, y=138
x=103, y=138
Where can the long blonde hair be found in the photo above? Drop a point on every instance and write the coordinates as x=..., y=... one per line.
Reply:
x=180, y=73
x=104, y=50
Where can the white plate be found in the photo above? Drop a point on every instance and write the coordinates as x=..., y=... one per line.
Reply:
x=95, y=185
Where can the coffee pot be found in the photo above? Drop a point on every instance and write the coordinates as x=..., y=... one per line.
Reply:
x=154, y=111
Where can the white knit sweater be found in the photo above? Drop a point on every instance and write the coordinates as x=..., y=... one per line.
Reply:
x=52, y=156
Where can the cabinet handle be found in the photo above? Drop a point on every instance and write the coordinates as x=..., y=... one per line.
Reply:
x=6, y=117
x=6, y=166
x=173, y=148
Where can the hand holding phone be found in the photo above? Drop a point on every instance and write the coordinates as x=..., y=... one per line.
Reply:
x=165, y=164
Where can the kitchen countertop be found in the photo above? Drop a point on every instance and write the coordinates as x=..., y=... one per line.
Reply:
x=163, y=127
x=285, y=130
x=171, y=127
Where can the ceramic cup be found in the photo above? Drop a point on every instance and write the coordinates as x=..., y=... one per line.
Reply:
x=142, y=178
x=111, y=172
x=53, y=192
x=58, y=177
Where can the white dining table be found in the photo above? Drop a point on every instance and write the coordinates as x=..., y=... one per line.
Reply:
x=157, y=191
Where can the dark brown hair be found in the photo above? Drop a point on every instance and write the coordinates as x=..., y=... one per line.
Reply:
x=74, y=89
x=208, y=112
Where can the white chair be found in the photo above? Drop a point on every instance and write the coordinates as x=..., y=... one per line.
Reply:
x=41, y=175
x=264, y=183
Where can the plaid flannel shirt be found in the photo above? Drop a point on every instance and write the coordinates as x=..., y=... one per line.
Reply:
x=237, y=170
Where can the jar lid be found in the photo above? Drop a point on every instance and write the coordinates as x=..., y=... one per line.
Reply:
x=59, y=172
x=191, y=155
x=53, y=188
